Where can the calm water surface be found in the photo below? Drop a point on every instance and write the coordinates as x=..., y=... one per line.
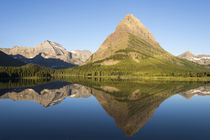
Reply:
x=104, y=110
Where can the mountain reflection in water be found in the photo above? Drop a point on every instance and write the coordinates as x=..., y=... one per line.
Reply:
x=48, y=94
x=130, y=104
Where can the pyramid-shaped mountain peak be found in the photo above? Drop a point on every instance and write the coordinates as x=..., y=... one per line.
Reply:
x=132, y=25
x=129, y=34
x=186, y=54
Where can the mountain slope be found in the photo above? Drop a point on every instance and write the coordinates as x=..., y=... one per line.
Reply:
x=132, y=50
x=6, y=60
x=200, y=59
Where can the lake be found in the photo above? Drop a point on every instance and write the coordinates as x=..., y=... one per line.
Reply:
x=104, y=109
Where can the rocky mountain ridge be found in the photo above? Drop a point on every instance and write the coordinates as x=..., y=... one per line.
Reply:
x=49, y=54
x=202, y=59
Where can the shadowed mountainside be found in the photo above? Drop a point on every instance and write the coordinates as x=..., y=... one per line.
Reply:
x=47, y=62
x=6, y=60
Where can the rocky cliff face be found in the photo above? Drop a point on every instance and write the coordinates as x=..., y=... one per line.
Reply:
x=49, y=54
x=200, y=59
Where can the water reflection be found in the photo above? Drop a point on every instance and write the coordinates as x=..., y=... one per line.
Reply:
x=130, y=104
x=48, y=94
x=201, y=91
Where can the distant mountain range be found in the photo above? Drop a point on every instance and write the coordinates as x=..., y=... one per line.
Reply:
x=49, y=54
x=200, y=59
x=130, y=50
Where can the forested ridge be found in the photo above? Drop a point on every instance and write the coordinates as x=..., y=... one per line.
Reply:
x=29, y=70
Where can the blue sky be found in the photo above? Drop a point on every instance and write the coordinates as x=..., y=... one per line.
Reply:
x=178, y=25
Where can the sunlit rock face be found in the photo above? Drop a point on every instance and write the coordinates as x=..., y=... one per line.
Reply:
x=48, y=49
x=80, y=55
x=201, y=91
x=132, y=25
x=200, y=59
